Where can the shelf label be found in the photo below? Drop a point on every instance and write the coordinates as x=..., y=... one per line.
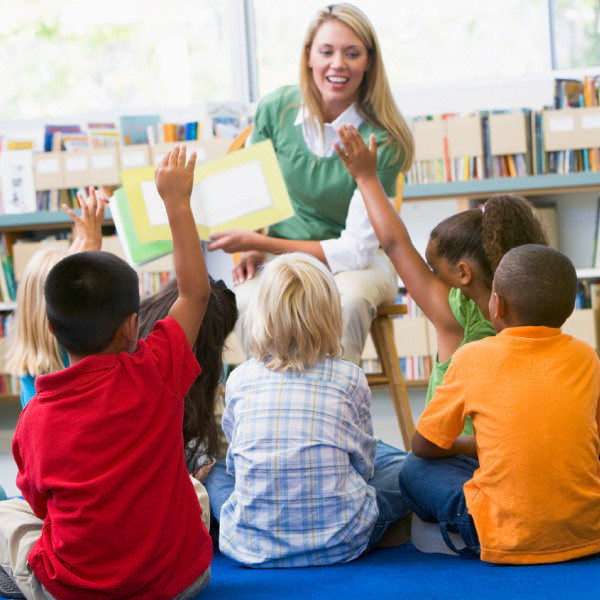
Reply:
x=559, y=124
x=590, y=121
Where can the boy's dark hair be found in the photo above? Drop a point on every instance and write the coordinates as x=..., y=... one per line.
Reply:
x=88, y=295
x=539, y=284
x=200, y=428
x=485, y=235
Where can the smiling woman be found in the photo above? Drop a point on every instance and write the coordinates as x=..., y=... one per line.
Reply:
x=342, y=79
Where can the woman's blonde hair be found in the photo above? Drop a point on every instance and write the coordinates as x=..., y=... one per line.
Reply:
x=375, y=99
x=32, y=348
x=294, y=320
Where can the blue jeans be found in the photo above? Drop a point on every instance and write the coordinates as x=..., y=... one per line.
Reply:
x=392, y=507
x=433, y=488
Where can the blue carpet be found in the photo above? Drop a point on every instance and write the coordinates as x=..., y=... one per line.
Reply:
x=404, y=573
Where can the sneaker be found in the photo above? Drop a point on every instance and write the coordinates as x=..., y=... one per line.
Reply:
x=427, y=537
x=8, y=588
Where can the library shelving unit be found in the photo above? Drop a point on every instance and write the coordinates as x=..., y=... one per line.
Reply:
x=415, y=337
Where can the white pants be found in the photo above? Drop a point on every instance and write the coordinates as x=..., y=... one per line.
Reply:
x=361, y=291
x=20, y=529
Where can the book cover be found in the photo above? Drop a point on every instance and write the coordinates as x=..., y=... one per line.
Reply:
x=244, y=189
x=136, y=251
x=134, y=128
x=18, y=189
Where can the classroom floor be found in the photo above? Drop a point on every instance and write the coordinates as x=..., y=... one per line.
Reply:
x=384, y=423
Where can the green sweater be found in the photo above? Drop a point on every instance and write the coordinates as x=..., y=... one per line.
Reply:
x=320, y=188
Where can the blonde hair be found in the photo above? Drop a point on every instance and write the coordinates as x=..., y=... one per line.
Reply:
x=294, y=320
x=32, y=348
x=375, y=98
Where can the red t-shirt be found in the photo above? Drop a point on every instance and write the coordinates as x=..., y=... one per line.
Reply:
x=101, y=461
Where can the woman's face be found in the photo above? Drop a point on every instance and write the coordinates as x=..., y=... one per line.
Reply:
x=338, y=60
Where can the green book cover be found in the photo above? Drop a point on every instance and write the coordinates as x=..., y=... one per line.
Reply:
x=137, y=252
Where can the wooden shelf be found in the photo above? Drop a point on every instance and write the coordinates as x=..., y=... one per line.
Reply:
x=530, y=185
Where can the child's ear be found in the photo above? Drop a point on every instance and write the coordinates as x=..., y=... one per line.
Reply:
x=499, y=306
x=465, y=272
x=49, y=327
x=129, y=328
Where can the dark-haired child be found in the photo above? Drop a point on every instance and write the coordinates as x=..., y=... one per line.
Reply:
x=109, y=510
x=533, y=395
x=453, y=287
x=201, y=432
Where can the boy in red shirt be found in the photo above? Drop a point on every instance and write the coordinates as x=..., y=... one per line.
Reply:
x=109, y=511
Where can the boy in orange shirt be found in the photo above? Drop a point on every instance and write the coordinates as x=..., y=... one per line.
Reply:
x=533, y=395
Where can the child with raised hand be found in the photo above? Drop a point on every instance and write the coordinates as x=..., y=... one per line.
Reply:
x=533, y=394
x=305, y=481
x=32, y=350
x=108, y=508
x=453, y=287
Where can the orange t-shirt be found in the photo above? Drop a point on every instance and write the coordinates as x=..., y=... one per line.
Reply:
x=533, y=396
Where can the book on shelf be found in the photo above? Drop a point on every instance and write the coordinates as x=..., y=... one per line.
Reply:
x=134, y=128
x=16, y=175
x=243, y=189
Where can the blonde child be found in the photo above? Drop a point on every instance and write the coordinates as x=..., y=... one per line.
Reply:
x=453, y=287
x=108, y=508
x=32, y=349
x=305, y=481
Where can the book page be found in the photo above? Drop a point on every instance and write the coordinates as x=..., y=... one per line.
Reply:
x=220, y=198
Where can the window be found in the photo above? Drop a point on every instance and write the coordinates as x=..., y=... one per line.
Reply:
x=69, y=57
x=576, y=37
x=422, y=42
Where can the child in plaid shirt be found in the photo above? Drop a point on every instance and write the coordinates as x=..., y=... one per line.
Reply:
x=305, y=481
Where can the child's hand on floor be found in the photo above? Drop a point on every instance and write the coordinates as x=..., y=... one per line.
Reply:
x=360, y=160
x=89, y=225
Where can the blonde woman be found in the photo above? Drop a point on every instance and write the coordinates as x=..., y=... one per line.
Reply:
x=342, y=78
x=305, y=481
x=32, y=349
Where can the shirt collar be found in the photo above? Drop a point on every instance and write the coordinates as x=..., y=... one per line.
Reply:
x=349, y=116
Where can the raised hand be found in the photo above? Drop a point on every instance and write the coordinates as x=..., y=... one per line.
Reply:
x=360, y=160
x=89, y=224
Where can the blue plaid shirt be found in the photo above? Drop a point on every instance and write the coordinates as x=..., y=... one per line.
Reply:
x=301, y=448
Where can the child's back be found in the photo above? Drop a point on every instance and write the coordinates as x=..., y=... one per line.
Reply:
x=115, y=467
x=533, y=394
x=311, y=483
x=299, y=443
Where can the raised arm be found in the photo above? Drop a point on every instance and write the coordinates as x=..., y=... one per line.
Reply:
x=174, y=181
x=89, y=224
x=428, y=291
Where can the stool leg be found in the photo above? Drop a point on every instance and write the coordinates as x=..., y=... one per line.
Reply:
x=382, y=332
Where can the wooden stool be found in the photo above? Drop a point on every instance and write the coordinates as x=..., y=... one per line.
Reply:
x=382, y=333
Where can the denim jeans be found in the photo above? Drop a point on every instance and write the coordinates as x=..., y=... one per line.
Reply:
x=389, y=462
x=433, y=488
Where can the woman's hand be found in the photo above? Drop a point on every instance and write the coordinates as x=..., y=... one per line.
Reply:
x=360, y=160
x=89, y=225
x=234, y=240
x=249, y=263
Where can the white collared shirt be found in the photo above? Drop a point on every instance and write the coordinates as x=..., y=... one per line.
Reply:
x=357, y=244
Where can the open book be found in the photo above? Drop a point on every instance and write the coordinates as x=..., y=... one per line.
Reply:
x=244, y=189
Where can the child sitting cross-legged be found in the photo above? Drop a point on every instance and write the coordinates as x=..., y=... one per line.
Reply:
x=305, y=481
x=108, y=508
x=532, y=392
